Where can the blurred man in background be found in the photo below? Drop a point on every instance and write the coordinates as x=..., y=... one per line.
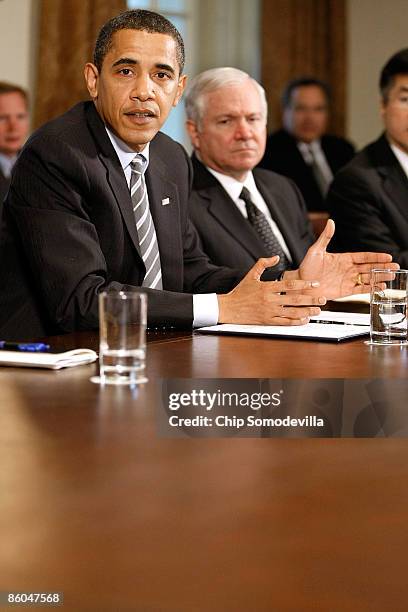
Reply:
x=302, y=150
x=14, y=125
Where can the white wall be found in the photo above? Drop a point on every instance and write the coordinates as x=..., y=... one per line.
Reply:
x=376, y=30
x=18, y=41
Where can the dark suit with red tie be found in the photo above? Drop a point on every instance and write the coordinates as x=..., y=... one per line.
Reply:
x=69, y=232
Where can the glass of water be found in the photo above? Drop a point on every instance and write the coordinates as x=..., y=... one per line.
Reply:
x=388, y=307
x=122, y=337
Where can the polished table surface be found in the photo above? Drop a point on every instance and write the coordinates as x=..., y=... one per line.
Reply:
x=95, y=504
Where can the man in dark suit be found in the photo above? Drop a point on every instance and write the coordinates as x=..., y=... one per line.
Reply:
x=227, y=240
x=14, y=125
x=302, y=150
x=369, y=197
x=81, y=198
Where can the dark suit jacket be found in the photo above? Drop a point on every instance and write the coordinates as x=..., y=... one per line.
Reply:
x=228, y=238
x=368, y=200
x=69, y=232
x=4, y=185
x=283, y=156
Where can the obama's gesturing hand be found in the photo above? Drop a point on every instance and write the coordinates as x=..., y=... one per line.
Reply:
x=259, y=302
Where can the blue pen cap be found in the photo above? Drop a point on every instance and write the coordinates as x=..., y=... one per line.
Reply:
x=34, y=347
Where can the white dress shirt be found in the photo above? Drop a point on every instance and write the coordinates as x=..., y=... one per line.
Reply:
x=6, y=164
x=205, y=305
x=234, y=187
x=401, y=156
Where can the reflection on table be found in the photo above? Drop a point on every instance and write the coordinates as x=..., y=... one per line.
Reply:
x=96, y=505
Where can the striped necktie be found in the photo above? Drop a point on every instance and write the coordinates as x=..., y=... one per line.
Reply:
x=146, y=232
x=261, y=225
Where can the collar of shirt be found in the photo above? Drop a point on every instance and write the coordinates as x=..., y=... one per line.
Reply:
x=234, y=188
x=6, y=164
x=125, y=153
x=305, y=147
x=401, y=156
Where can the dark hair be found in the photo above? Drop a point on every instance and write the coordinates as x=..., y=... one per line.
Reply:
x=397, y=64
x=138, y=19
x=6, y=88
x=303, y=81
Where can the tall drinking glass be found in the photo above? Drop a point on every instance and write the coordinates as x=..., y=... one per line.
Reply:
x=122, y=337
x=388, y=307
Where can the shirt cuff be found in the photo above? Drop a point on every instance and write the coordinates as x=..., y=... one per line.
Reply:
x=205, y=309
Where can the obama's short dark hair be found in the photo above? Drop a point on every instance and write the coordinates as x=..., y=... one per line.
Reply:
x=139, y=19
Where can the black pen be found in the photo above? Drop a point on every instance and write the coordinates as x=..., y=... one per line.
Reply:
x=321, y=322
x=30, y=347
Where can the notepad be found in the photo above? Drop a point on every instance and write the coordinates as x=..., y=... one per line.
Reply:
x=53, y=361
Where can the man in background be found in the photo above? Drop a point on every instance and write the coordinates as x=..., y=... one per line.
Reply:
x=369, y=197
x=14, y=125
x=302, y=150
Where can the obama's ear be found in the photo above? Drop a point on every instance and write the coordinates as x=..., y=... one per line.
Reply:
x=91, y=74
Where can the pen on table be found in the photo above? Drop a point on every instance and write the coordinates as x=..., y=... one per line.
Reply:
x=28, y=347
x=320, y=321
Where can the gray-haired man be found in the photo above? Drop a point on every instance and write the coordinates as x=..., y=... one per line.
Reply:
x=242, y=213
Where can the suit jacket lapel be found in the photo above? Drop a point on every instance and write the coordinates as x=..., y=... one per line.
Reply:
x=395, y=181
x=222, y=208
x=114, y=173
x=227, y=214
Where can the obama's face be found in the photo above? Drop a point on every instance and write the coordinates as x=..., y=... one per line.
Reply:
x=137, y=86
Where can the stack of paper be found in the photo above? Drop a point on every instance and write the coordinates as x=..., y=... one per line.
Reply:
x=53, y=361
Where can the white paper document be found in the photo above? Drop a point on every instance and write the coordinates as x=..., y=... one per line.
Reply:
x=364, y=298
x=53, y=361
x=357, y=298
x=345, y=326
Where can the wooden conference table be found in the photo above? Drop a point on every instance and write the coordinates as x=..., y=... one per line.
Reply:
x=95, y=504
